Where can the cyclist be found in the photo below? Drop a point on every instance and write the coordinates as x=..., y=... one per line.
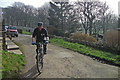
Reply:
x=39, y=34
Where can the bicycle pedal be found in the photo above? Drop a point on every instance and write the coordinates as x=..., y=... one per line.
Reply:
x=41, y=71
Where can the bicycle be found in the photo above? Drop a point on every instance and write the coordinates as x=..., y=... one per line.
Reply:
x=39, y=57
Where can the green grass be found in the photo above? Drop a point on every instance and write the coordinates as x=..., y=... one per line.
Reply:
x=24, y=32
x=86, y=50
x=12, y=64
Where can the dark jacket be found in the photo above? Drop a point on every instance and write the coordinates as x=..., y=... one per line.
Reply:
x=39, y=35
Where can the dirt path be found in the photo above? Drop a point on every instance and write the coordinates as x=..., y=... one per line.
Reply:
x=63, y=63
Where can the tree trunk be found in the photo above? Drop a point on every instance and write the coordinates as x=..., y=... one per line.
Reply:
x=103, y=29
x=90, y=29
x=119, y=22
x=17, y=23
x=95, y=30
x=24, y=23
x=86, y=31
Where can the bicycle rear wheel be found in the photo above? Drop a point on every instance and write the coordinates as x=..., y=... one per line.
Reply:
x=40, y=63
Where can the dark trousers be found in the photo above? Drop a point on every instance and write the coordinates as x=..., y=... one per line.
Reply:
x=44, y=47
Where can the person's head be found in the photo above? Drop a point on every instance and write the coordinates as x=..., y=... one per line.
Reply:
x=40, y=24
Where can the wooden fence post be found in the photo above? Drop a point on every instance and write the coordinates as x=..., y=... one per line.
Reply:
x=4, y=46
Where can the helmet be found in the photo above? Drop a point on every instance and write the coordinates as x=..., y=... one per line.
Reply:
x=40, y=23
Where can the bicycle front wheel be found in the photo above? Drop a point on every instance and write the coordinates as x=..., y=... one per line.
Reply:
x=40, y=63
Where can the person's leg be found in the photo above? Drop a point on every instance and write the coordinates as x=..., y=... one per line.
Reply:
x=45, y=48
x=36, y=51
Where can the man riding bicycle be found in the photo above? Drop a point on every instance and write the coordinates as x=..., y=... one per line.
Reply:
x=40, y=35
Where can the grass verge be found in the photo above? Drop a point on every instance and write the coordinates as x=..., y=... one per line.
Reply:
x=12, y=64
x=24, y=32
x=106, y=56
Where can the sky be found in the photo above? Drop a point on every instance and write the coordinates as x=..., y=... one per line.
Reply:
x=37, y=3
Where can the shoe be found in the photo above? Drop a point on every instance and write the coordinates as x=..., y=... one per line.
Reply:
x=45, y=53
x=41, y=70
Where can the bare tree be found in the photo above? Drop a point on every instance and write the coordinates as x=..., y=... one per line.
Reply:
x=92, y=10
x=43, y=14
x=110, y=22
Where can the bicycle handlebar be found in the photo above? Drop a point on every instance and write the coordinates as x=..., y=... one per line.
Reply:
x=37, y=43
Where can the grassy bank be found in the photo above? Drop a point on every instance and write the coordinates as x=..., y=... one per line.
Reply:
x=24, y=32
x=12, y=64
x=106, y=56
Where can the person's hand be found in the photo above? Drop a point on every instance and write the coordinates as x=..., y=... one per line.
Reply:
x=46, y=41
x=47, y=38
x=33, y=42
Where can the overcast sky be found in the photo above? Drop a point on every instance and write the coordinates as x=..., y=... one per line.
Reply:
x=37, y=3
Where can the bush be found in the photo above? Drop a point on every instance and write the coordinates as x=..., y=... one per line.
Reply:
x=81, y=37
x=51, y=30
x=111, y=39
x=59, y=33
x=55, y=31
x=67, y=34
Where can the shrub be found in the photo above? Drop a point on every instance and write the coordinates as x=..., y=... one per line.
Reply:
x=59, y=32
x=111, y=38
x=67, y=34
x=85, y=37
x=55, y=31
x=51, y=30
